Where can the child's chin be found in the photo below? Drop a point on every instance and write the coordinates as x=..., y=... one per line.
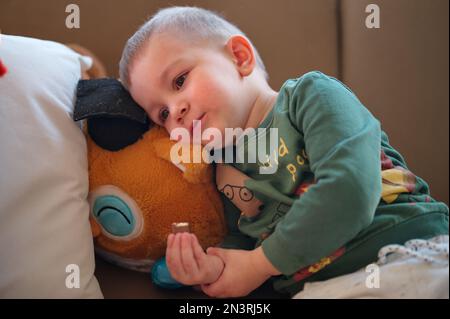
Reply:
x=212, y=144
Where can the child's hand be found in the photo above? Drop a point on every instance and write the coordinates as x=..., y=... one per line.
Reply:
x=244, y=272
x=188, y=263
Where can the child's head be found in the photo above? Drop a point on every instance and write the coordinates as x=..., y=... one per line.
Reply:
x=188, y=64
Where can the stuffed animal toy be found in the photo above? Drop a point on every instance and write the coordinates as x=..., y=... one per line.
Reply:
x=135, y=192
x=97, y=70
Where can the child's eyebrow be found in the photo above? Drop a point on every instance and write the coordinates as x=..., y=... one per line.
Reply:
x=162, y=79
x=165, y=73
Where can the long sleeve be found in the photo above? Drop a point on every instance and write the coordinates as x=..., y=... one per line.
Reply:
x=342, y=142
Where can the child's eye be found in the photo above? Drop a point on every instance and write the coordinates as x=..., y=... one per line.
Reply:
x=179, y=81
x=164, y=114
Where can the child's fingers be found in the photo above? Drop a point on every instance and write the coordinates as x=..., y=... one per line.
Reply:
x=187, y=255
x=199, y=254
x=173, y=259
x=169, y=241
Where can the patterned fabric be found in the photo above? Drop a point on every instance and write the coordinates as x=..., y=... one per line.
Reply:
x=430, y=251
x=395, y=180
x=416, y=270
x=308, y=271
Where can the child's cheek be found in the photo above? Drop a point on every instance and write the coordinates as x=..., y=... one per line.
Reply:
x=209, y=94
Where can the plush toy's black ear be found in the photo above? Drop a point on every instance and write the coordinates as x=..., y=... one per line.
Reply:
x=114, y=119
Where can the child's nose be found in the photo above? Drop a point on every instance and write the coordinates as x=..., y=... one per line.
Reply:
x=181, y=113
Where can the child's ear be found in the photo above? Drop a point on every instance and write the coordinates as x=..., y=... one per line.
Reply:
x=242, y=53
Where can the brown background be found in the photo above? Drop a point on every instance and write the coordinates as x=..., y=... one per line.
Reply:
x=400, y=71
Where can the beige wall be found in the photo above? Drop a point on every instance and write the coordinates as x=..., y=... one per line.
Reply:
x=292, y=38
x=400, y=71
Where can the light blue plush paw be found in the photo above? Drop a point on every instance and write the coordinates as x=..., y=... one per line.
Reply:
x=161, y=276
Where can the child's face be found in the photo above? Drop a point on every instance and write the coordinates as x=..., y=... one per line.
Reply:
x=177, y=83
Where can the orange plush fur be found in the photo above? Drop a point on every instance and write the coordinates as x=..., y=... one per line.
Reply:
x=162, y=191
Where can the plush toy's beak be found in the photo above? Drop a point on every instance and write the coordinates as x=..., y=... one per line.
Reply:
x=194, y=173
x=95, y=227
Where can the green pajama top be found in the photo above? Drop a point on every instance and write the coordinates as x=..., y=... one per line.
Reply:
x=340, y=191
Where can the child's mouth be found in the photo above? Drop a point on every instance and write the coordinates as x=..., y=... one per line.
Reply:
x=198, y=122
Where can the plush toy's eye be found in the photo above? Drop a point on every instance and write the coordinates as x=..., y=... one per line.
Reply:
x=116, y=212
x=114, y=215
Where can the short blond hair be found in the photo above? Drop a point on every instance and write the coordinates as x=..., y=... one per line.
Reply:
x=194, y=23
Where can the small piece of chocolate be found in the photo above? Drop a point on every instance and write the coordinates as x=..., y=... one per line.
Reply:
x=180, y=228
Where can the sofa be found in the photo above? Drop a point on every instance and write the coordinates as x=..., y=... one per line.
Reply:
x=399, y=71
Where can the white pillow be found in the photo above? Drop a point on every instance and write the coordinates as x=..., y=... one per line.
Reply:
x=44, y=211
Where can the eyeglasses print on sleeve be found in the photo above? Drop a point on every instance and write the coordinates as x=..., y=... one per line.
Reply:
x=244, y=193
